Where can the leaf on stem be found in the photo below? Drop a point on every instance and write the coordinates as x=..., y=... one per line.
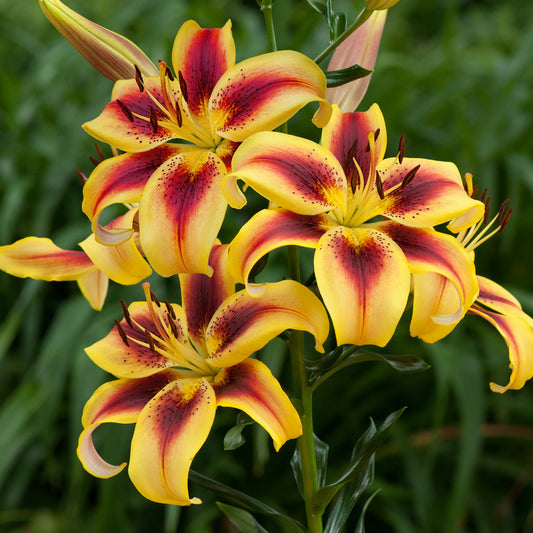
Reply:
x=335, y=78
x=363, y=454
x=336, y=360
x=241, y=519
x=234, y=438
x=360, y=525
x=321, y=453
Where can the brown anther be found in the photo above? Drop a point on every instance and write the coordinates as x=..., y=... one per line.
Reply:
x=135, y=222
x=126, y=313
x=139, y=79
x=475, y=190
x=170, y=310
x=124, y=108
x=149, y=340
x=83, y=177
x=505, y=220
x=487, y=209
x=179, y=117
x=94, y=161
x=168, y=74
x=153, y=119
x=379, y=186
x=101, y=155
x=409, y=176
x=154, y=299
x=174, y=328
x=183, y=87
x=376, y=134
x=401, y=148
x=121, y=333
x=483, y=194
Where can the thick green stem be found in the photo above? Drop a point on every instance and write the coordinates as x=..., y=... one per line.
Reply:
x=363, y=16
x=306, y=443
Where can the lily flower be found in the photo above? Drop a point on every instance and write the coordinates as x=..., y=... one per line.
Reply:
x=209, y=105
x=493, y=303
x=176, y=364
x=360, y=48
x=370, y=220
x=40, y=258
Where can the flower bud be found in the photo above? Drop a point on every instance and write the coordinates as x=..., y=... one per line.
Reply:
x=111, y=54
x=360, y=48
x=378, y=5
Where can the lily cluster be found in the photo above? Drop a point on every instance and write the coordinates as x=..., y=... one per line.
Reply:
x=386, y=231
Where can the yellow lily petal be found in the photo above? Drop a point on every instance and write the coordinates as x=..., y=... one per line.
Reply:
x=294, y=173
x=94, y=286
x=169, y=432
x=251, y=387
x=244, y=324
x=364, y=279
x=262, y=92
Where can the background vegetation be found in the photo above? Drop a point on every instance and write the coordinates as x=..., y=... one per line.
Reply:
x=456, y=77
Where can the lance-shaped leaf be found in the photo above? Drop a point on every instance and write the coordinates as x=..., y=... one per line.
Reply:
x=363, y=453
x=111, y=54
x=241, y=519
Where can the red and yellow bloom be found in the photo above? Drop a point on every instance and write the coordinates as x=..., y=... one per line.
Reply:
x=209, y=104
x=175, y=365
x=493, y=303
x=370, y=220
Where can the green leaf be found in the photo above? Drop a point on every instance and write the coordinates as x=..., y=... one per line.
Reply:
x=242, y=500
x=233, y=438
x=321, y=453
x=326, y=366
x=318, y=5
x=360, y=525
x=335, y=78
x=348, y=496
x=241, y=519
x=365, y=447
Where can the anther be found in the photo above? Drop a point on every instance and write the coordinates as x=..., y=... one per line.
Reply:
x=126, y=314
x=482, y=195
x=379, y=186
x=153, y=119
x=170, y=310
x=128, y=114
x=154, y=299
x=101, y=155
x=487, y=209
x=179, y=117
x=505, y=220
x=150, y=340
x=139, y=79
x=83, y=177
x=183, y=87
x=376, y=134
x=409, y=176
x=121, y=333
x=401, y=148
x=94, y=161
x=174, y=329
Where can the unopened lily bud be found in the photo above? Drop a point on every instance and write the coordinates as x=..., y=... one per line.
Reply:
x=360, y=48
x=111, y=54
x=378, y=5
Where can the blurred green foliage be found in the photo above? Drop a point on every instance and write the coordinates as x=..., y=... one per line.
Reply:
x=455, y=76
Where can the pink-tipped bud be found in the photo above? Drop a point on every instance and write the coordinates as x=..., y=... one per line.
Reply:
x=111, y=54
x=360, y=48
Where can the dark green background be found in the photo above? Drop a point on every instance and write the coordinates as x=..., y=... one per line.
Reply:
x=456, y=77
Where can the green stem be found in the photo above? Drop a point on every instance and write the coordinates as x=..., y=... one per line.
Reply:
x=269, y=22
x=306, y=443
x=363, y=16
